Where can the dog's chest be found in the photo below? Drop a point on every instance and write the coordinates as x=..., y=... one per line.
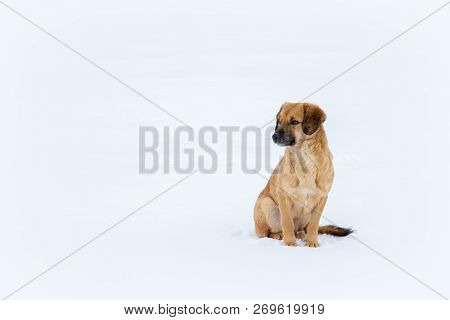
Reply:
x=304, y=185
x=306, y=172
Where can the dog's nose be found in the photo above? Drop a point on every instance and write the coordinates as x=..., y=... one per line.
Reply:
x=275, y=137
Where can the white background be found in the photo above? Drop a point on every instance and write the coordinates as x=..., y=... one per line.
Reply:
x=69, y=147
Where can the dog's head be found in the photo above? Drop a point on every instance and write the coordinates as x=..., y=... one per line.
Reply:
x=297, y=122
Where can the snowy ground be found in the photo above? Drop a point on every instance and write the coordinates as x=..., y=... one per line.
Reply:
x=69, y=142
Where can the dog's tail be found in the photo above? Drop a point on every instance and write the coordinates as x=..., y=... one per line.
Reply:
x=335, y=231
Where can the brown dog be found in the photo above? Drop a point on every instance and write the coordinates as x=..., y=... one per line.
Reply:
x=292, y=202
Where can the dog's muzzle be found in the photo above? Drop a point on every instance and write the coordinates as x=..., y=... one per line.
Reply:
x=283, y=139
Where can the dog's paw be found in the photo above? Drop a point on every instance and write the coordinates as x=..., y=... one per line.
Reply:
x=301, y=235
x=312, y=243
x=290, y=242
x=276, y=235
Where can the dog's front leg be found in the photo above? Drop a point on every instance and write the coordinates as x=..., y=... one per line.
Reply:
x=312, y=230
x=287, y=223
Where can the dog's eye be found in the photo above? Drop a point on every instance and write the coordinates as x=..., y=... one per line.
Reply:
x=294, y=122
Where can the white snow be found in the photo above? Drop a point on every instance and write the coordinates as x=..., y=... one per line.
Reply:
x=69, y=147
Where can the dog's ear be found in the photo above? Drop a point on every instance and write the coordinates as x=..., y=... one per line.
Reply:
x=312, y=119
